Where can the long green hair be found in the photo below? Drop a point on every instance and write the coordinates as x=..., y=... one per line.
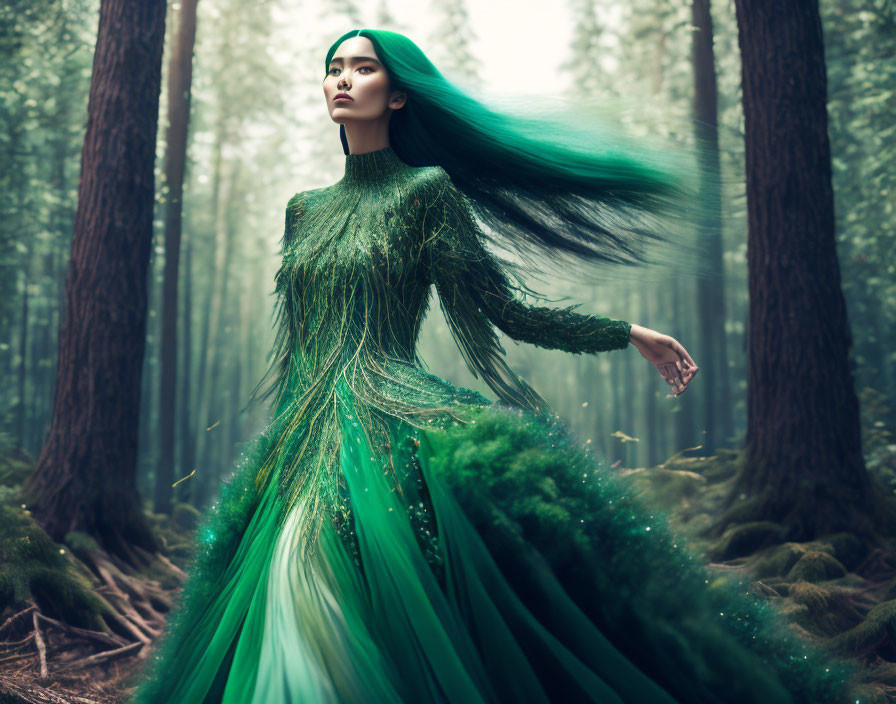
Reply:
x=551, y=187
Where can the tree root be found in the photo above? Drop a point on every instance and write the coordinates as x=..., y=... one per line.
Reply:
x=37, y=647
x=15, y=690
x=127, y=597
x=41, y=647
x=105, y=638
x=12, y=618
x=170, y=565
x=103, y=656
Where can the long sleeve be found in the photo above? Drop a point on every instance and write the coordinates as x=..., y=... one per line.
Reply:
x=280, y=357
x=469, y=279
x=295, y=208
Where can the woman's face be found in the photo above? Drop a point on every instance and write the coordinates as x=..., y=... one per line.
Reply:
x=355, y=71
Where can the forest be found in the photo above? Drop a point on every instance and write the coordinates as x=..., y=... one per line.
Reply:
x=148, y=151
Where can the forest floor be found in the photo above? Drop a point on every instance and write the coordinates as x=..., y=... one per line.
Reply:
x=834, y=591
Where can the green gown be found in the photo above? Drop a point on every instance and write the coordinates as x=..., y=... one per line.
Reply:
x=391, y=537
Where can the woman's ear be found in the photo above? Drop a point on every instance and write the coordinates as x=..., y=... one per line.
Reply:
x=398, y=99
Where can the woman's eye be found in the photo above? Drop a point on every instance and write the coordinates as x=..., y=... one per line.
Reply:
x=336, y=69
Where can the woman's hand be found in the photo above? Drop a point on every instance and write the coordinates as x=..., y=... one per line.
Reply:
x=666, y=354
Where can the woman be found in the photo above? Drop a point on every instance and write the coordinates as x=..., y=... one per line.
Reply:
x=394, y=538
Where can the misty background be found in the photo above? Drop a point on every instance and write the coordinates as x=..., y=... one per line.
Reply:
x=259, y=132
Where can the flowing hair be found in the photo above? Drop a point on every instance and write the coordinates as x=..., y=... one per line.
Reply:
x=552, y=188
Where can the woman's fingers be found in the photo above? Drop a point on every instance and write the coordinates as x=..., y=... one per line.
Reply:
x=672, y=374
x=676, y=378
x=687, y=365
x=677, y=372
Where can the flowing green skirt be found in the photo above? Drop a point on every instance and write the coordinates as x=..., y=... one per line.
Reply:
x=505, y=564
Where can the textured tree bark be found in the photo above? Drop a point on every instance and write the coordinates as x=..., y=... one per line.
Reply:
x=804, y=466
x=85, y=477
x=179, y=86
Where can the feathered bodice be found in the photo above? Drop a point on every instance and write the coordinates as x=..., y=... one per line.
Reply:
x=352, y=272
x=359, y=260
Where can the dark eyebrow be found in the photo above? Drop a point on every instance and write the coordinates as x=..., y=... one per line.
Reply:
x=356, y=59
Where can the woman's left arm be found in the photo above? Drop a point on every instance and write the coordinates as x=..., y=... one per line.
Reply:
x=469, y=277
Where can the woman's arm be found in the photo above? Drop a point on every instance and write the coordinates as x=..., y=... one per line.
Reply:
x=475, y=293
x=469, y=279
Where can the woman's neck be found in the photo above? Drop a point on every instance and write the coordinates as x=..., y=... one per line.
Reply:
x=372, y=166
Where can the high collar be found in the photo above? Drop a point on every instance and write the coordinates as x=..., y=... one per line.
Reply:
x=371, y=167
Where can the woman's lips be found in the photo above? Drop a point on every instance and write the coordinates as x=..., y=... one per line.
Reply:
x=343, y=98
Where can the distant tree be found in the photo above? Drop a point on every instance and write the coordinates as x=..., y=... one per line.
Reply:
x=43, y=59
x=860, y=43
x=180, y=73
x=451, y=42
x=715, y=385
x=241, y=99
x=584, y=65
x=386, y=20
x=85, y=477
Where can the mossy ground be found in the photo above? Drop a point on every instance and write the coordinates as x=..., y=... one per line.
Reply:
x=74, y=621
x=835, y=588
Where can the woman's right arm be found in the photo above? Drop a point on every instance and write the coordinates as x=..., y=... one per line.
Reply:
x=280, y=356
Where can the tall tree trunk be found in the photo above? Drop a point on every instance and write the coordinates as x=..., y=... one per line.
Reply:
x=710, y=292
x=804, y=466
x=214, y=351
x=878, y=352
x=617, y=453
x=601, y=414
x=85, y=477
x=187, y=422
x=629, y=450
x=42, y=380
x=23, y=351
x=211, y=300
x=639, y=389
x=685, y=423
x=651, y=440
x=62, y=147
x=239, y=369
x=180, y=74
